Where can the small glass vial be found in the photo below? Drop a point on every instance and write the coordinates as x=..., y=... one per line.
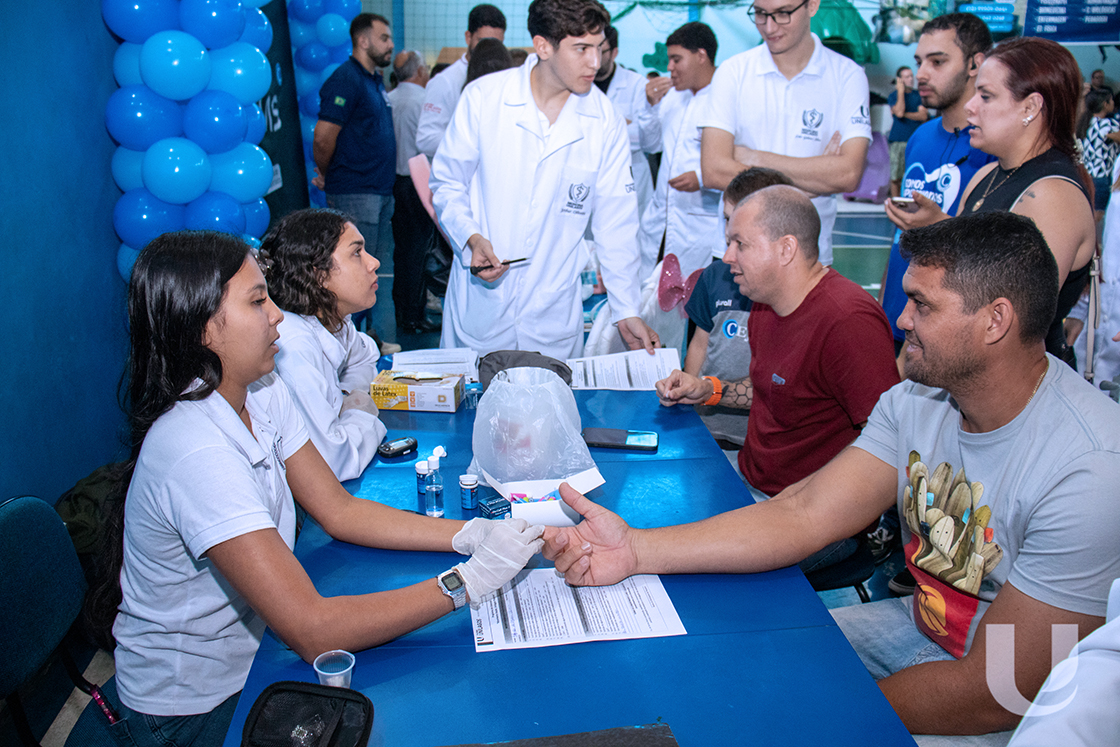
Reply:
x=433, y=493
x=472, y=393
x=421, y=476
x=468, y=491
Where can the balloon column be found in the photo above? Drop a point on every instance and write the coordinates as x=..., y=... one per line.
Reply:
x=320, y=31
x=186, y=118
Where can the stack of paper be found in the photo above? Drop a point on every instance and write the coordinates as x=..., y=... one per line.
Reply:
x=440, y=360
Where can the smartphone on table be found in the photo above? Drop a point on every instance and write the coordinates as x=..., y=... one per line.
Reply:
x=617, y=438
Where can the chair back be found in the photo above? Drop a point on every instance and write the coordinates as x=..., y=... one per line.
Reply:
x=41, y=590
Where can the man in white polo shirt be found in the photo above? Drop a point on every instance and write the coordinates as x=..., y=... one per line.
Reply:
x=442, y=93
x=780, y=105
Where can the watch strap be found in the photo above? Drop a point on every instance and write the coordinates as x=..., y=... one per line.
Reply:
x=717, y=391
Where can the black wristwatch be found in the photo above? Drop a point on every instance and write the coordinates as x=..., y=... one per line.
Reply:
x=451, y=584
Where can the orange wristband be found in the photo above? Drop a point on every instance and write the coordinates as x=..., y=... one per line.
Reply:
x=717, y=391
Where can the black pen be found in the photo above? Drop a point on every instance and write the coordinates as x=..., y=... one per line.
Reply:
x=476, y=270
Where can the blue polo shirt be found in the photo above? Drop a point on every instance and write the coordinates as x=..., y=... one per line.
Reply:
x=365, y=155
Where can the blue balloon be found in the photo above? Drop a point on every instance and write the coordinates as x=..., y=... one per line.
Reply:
x=257, y=217
x=215, y=211
x=255, y=3
x=307, y=128
x=258, y=30
x=309, y=105
x=137, y=116
x=215, y=120
x=174, y=64
x=126, y=258
x=244, y=173
x=348, y=9
x=306, y=81
x=313, y=56
x=341, y=53
x=252, y=241
x=301, y=33
x=136, y=20
x=256, y=125
x=127, y=168
x=139, y=216
x=307, y=11
x=328, y=71
x=332, y=29
x=216, y=23
x=176, y=170
x=241, y=69
x=126, y=65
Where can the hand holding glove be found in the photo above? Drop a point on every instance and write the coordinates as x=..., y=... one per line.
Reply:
x=499, y=557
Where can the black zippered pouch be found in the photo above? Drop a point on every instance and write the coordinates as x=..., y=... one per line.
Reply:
x=304, y=714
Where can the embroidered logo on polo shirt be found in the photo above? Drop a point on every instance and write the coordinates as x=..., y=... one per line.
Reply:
x=863, y=116
x=339, y=101
x=732, y=329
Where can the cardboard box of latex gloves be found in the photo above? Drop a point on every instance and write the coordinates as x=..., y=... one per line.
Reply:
x=416, y=390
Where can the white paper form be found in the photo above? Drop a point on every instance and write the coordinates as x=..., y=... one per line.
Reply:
x=538, y=609
x=630, y=371
x=439, y=360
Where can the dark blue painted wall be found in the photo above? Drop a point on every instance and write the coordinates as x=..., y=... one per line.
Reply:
x=62, y=340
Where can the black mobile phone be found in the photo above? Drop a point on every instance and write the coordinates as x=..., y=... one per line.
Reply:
x=397, y=447
x=616, y=438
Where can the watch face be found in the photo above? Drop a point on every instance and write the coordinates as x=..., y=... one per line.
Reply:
x=452, y=582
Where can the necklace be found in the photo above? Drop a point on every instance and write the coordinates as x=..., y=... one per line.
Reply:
x=1038, y=383
x=992, y=186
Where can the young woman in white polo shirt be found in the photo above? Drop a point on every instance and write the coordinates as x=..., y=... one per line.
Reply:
x=206, y=531
x=320, y=273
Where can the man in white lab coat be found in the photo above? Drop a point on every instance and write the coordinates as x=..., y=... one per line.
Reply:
x=484, y=22
x=532, y=155
x=627, y=91
x=682, y=213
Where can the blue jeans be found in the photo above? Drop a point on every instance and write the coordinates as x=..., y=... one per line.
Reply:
x=203, y=730
x=887, y=641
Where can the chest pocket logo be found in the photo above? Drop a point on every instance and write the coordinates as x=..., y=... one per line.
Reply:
x=578, y=192
x=812, y=119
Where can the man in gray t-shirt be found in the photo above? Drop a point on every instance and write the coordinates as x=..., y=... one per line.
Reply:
x=1015, y=536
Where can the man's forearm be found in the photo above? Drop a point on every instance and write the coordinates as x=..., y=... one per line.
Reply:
x=822, y=175
x=945, y=697
x=719, y=170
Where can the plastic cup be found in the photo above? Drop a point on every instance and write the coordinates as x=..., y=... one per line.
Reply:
x=334, y=668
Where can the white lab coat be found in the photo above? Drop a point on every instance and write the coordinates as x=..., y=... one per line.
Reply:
x=318, y=368
x=497, y=174
x=627, y=92
x=440, y=97
x=689, y=221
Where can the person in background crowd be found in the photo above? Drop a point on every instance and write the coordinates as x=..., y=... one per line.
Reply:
x=483, y=22
x=490, y=56
x=1099, y=133
x=907, y=113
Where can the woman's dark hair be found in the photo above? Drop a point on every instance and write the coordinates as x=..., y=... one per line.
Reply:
x=298, y=254
x=555, y=20
x=489, y=56
x=1094, y=103
x=177, y=286
x=1047, y=68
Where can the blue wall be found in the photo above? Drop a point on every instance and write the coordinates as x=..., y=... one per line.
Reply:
x=63, y=335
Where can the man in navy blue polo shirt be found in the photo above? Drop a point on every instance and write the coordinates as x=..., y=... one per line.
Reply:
x=354, y=147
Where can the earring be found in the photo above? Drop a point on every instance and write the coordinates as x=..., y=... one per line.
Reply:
x=1027, y=120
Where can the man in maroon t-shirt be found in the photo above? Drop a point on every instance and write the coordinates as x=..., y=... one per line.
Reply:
x=821, y=347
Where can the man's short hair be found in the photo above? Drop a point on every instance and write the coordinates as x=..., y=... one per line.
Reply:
x=749, y=181
x=973, y=36
x=695, y=36
x=556, y=20
x=485, y=15
x=784, y=210
x=362, y=23
x=413, y=61
x=610, y=34
x=992, y=255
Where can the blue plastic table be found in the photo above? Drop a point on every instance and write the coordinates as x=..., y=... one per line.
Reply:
x=763, y=663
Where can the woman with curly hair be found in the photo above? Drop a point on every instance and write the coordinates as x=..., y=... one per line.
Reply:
x=320, y=273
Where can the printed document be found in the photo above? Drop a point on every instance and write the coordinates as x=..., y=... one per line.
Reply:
x=538, y=609
x=631, y=371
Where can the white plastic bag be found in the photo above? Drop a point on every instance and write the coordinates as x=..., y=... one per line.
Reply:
x=528, y=428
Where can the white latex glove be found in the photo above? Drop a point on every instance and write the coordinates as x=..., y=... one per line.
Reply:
x=359, y=400
x=475, y=532
x=503, y=553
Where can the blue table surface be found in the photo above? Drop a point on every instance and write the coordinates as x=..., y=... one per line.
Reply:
x=763, y=661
